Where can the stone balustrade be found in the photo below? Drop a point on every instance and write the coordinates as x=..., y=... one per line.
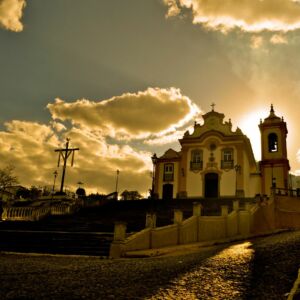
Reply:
x=37, y=211
x=239, y=223
x=63, y=209
x=25, y=213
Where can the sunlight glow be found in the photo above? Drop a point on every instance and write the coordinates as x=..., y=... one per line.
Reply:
x=249, y=125
x=212, y=281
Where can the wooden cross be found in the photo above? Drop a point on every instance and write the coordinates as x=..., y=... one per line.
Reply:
x=213, y=106
x=64, y=154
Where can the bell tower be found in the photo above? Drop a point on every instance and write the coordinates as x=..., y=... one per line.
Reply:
x=274, y=164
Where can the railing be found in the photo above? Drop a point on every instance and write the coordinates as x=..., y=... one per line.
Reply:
x=195, y=166
x=168, y=176
x=226, y=164
x=286, y=192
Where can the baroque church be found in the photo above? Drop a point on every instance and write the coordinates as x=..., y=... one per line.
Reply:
x=215, y=161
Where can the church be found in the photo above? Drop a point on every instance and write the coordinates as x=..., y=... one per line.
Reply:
x=215, y=161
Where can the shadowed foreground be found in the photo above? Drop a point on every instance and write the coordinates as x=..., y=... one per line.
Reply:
x=260, y=269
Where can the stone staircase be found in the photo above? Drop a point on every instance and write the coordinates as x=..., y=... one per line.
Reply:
x=90, y=230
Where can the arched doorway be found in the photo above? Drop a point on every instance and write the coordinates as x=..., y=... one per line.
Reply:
x=168, y=191
x=211, y=185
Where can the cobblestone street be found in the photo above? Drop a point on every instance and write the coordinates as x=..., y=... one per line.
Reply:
x=264, y=268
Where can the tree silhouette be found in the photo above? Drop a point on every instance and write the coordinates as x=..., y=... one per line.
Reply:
x=7, y=178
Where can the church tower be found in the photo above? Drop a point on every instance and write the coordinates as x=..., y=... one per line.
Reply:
x=274, y=164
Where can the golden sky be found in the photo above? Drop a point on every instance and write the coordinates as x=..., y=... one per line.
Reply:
x=124, y=80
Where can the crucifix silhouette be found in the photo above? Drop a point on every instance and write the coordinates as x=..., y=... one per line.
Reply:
x=213, y=106
x=64, y=154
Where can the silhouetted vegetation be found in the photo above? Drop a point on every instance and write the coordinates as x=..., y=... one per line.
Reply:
x=7, y=177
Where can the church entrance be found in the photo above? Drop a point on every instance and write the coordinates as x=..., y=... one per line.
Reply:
x=168, y=191
x=211, y=185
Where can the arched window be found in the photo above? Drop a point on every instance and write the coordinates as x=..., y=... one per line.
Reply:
x=168, y=172
x=273, y=142
x=227, y=158
x=196, y=162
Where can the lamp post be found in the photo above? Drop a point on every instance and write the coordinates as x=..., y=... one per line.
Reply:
x=237, y=170
x=53, y=188
x=154, y=161
x=55, y=173
x=117, y=182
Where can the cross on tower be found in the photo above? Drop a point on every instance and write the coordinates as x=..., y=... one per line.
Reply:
x=213, y=106
x=64, y=154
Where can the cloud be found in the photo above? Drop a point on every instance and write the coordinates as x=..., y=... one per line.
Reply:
x=256, y=41
x=159, y=115
x=130, y=116
x=278, y=39
x=11, y=13
x=247, y=15
x=30, y=148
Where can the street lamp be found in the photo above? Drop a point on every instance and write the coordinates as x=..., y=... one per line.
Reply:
x=237, y=170
x=53, y=188
x=55, y=173
x=117, y=182
x=154, y=162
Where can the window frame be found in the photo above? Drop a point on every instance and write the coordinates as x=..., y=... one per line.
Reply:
x=272, y=142
x=227, y=158
x=168, y=172
x=196, y=162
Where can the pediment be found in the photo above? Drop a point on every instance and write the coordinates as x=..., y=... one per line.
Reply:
x=213, y=121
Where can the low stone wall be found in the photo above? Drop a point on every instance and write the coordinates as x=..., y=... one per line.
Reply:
x=263, y=217
x=165, y=236
x=232, y=224
x=197, y=228
x=211, y=228
x=266, y=216
x=287, y=212
x=189, y=231
x=138, y=241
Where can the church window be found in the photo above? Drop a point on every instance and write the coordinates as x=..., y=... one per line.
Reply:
x=273, y=142
x=196, y=162
x=227, y=158
x=168, y=172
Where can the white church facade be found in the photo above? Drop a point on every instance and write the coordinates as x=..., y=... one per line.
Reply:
x=215, y=161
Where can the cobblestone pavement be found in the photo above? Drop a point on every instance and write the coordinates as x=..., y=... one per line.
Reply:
x=264, y=268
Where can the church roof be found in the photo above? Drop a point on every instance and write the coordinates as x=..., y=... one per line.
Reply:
x=214, y=124
x=213, y=121
x=170, y=154
x=272, y=118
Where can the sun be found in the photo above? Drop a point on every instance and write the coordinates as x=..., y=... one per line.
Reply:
x=249, y=124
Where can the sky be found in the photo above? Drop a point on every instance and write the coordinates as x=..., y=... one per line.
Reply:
x=125, y=79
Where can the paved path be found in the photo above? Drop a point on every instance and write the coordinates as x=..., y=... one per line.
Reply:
x=260, y=269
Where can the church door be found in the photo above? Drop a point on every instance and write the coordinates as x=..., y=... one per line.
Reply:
x=168, y=191
x=211, y=185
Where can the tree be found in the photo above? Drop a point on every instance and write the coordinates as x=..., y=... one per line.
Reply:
x=35, y=193
x=7, y=178
x=23, y=193
x=131, y=195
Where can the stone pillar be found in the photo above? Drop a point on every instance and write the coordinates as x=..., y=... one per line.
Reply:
x=178, y=216
x=224, y=210
x=236, y=205
x=197, y=209
x=120, y=231
x=117, y=246
x=247, y=206
x=150, y=220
